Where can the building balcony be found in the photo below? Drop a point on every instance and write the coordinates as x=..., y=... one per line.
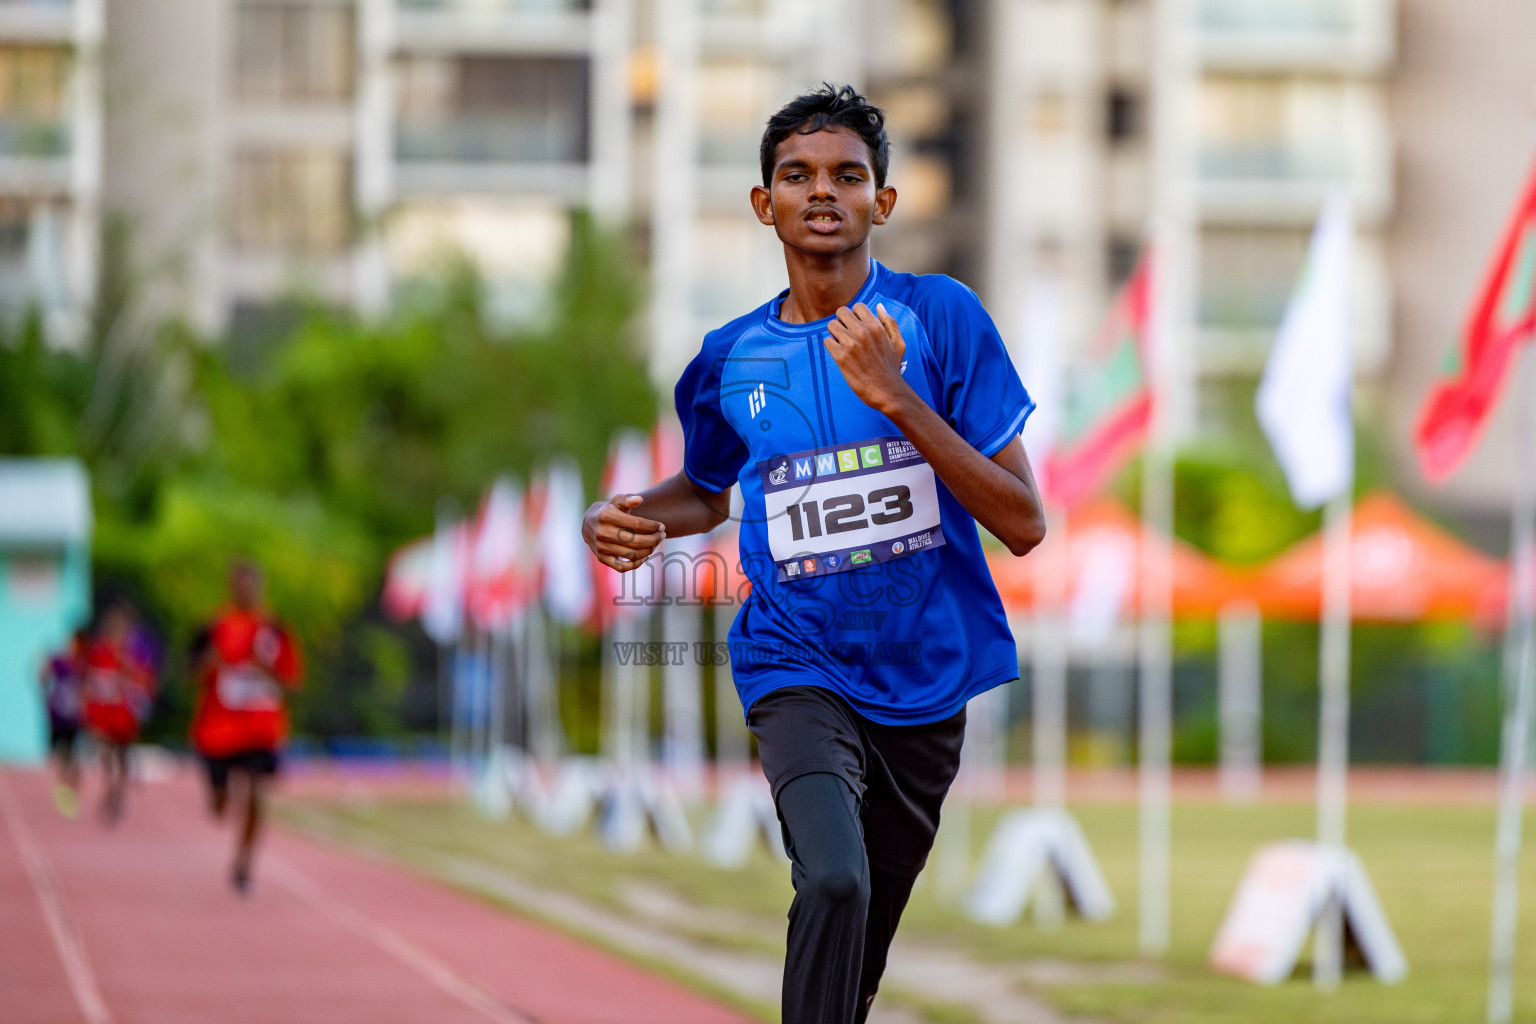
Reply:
x=567, y=182
x=27, y=137
x=468, y=139
x=35, y=175
x=1281, y=185
x=1237, y=326
x=37, y=21
x=1342, y=36
x=544, y=27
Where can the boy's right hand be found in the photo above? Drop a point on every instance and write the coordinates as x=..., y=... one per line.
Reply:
x=620, y=540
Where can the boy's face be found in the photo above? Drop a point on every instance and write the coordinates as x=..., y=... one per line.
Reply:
x=822, y=197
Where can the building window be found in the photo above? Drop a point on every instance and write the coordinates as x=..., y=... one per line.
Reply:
x=1050, y=113
x=474, y=108
x=1273, y=127
x=1247, y=275
x=294, y=53
x=291, y=199
x=1122, y=116
x=734, y=97
x=33, y=83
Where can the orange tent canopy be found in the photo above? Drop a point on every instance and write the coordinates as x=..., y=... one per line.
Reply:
x=1402, y=569
x=1105, y=534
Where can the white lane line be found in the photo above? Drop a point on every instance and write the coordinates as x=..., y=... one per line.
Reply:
x=397, y=946
x=77, y=968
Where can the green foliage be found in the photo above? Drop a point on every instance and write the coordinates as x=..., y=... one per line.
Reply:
x=319, y=452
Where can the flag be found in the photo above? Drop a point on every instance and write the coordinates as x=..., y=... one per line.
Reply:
x=1473, y=373
x=1108, y=406
x=494, y=588
x=405, y=580
x=1304, y=401
x=1038, y=358
x=666, y=443
x=567, y=574
x=442, y=612
x=631, y=463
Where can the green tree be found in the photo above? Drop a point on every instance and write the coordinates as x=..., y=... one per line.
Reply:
x=325, y=449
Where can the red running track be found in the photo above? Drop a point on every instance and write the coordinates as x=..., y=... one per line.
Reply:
x=138, y=924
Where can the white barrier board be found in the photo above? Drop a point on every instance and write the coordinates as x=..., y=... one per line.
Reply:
x=1027, y=844
x=1285, y=889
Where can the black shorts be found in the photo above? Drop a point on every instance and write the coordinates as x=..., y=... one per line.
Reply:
x=62, y=736
x=899, y=773
x=251, y=762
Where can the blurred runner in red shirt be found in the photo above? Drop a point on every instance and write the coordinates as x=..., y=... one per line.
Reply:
x=245, y=667
x=118, y=691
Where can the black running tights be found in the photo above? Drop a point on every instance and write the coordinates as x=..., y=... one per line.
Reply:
x=845, y=910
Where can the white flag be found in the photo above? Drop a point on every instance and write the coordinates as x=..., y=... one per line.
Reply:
x=567, y=571
x=442, y=612
x=1304, y=400
x=1039, y=358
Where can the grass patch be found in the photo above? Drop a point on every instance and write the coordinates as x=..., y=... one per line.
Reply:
x=1431, y=865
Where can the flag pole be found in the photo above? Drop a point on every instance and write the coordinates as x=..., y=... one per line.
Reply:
x=1175, y=238
x=1519, y=696
x=1155, y=736
x=1048, y=673
x=1333, y=726
x=1049, y=659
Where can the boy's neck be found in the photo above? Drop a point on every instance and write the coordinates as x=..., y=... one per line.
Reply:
x=821, y=285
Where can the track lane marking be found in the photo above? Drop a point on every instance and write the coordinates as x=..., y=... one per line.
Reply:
x=77, y=966
x=398, y=946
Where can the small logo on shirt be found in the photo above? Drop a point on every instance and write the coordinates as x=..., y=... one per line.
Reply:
x=903, y=367
x=792, y=569
x=832, y=561
x=757, y=400
x=897, y=547
x=779, y=474
x=860, y=557
x=810, y=564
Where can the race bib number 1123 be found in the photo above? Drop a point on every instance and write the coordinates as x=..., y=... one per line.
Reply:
x=850, y=505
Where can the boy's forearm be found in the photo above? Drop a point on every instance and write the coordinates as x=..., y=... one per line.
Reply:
x=999, y=492
x=683, y=507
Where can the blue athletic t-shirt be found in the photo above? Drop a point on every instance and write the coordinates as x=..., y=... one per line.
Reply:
x=868, y=576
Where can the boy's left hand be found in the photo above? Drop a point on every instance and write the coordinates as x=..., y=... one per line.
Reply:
x=868, y=348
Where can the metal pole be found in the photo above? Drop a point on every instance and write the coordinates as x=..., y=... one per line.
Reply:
x=1519, y=696
x=1176, y=237
x=1048, y=674
x=1333, y=727
x=1155, y=739
x=1240, y=643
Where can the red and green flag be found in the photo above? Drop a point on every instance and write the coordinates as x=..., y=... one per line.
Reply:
x=1472, y=376
x=1108, y=407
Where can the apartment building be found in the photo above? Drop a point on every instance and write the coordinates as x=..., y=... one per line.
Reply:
x=337, y=148
x=1228, y=127
x=50, y=158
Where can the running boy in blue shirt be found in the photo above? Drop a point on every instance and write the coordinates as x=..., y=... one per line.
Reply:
x=871, y=420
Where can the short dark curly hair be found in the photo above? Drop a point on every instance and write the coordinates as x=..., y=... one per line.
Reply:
x=831, y=106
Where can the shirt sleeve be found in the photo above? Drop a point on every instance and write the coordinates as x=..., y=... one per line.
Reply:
x=713, y=453
x=979, y=391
